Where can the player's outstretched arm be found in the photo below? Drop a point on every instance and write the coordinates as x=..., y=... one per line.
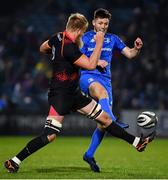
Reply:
x=45, y=48
x=91, y=63
x=133, y=52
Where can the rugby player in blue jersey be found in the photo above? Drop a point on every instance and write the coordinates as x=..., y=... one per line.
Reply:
x=97, y=83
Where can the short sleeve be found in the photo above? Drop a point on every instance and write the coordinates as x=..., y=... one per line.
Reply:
x=72, y=52
x=52, y=41
x=119, y=44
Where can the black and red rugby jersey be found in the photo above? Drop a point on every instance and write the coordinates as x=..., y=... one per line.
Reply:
x=65, y=52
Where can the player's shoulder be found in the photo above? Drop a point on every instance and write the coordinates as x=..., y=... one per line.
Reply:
x=111, y=35
x=88, y=35
x=56, y=37
x=53, y=40
x=115, y=38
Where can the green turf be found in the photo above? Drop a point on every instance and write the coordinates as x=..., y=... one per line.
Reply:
x=63, y=159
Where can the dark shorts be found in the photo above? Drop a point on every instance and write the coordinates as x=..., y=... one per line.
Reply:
x=65, y=102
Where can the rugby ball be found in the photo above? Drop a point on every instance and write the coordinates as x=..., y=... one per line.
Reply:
x=147, y=119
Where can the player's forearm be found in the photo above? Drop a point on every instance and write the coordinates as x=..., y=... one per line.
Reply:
x=134, y=52
x=130, y=53
x=95, y=56
x=46, y=51
x=45, y=48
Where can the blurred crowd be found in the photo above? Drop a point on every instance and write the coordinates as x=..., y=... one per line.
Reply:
x=137, y=84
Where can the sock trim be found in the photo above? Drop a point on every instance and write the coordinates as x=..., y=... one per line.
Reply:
x=136, y=141
x=16, y=160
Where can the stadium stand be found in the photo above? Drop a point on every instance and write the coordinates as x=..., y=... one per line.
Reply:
x=24, y=73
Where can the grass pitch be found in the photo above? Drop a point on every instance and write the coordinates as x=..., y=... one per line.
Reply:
x=62, y=159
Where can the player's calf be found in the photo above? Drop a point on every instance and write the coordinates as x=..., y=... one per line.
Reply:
x=52, y=127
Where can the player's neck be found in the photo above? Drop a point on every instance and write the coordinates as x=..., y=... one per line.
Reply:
x=71, y=35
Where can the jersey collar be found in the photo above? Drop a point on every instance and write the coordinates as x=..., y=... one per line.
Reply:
x=67, y=35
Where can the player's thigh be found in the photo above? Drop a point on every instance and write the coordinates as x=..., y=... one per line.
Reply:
x=97, y=90
x=80, y=100
x=93, y=111
x=53, y=115
x=61, y=103
x=85, y=81
x=87, y=109
x=103, y=89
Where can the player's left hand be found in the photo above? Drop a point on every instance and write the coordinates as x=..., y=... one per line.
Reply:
x=138, y=43
x=102, y=63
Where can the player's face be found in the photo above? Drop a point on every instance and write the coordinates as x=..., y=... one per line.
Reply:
x=101, y=24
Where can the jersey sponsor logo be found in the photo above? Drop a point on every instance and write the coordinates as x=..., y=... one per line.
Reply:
x=103, y=49
x=90, y=49
x=106, y=49
x=106, y=40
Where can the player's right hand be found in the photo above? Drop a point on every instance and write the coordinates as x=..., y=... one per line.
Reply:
x=99, y=37
x=138, y=43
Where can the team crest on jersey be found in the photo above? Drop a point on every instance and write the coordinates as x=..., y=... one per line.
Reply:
x=92, y=40
x=90, y=80
x=106, y=40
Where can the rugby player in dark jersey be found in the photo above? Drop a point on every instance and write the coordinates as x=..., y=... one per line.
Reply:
x=64, y=93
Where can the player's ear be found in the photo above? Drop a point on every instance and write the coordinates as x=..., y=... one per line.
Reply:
x=78, y=31
x=93, y=22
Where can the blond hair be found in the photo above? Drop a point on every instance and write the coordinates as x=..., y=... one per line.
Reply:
x=77, y=21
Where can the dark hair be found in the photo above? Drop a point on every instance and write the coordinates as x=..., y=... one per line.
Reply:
x=102, y=13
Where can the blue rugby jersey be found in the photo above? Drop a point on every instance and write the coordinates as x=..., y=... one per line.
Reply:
x=111, y=42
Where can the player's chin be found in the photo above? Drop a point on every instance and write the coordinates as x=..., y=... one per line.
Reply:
x=103, y=30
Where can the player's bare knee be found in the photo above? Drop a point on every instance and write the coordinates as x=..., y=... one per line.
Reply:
x=103, y=93
x=97, y=114
x=98, y=91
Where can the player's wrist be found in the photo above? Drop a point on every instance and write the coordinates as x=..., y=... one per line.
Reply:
x=137, y=50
